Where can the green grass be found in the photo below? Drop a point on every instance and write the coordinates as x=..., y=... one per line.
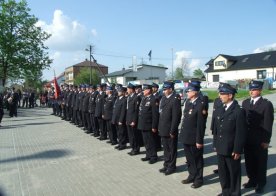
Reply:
x=242, y=94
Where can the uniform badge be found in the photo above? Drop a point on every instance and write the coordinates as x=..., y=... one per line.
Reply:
x=190, y=111
x=204, y=112
x=147, y=104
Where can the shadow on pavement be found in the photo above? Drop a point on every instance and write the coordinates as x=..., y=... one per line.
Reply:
x=49, y=154
x=27, y=124
x=2, y=193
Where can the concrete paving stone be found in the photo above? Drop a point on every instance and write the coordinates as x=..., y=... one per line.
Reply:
x=43, y=155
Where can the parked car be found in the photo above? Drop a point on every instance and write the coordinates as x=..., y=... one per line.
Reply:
x=182, y=94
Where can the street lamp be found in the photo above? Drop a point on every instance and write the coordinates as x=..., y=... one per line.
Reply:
x=90, y=62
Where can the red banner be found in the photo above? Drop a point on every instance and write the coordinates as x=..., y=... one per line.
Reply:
x=57, y=89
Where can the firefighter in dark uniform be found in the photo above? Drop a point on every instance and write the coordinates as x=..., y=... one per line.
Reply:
x=260, y=116
x=107, y=114
x=13, y=103
x=85, y=104
x=192, y=135
x=74, y=94
x=158, y=97
x=169, y=119
x=217, y=103
x=91, y=109
x=119, y=118
x=69, y=103
x=81, y=96
x=76, y=105
x=229, y=139
x=148, y=123
x=99, y=111
x=64, y=101
x=134, y=136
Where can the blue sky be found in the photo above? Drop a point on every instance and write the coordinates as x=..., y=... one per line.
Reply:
x=197, y=30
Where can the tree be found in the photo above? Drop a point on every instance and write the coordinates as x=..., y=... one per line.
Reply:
x=84, y=77
x=178, y=74
x=22, y=50
x=198, y=73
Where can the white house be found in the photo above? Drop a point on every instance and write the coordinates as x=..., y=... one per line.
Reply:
x=225, y=68
x=142, y=74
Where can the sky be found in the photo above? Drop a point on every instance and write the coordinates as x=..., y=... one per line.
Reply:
x=193, y=30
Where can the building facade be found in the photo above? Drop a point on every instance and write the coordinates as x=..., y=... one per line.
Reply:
x=72, y=71
x=225, y=68
x=142, y=74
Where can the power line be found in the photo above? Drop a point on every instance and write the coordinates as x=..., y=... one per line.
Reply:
x=157, y=58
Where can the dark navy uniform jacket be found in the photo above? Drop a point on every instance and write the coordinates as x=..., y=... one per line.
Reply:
x=169, y=115
x=148, y=113
x=193, y=123
x=119, y=110
x=133, y=103
x=99, y=104
x=92, y=102
x=108, y=107
x=260, y=121
x=230, y=130
x=85, y=102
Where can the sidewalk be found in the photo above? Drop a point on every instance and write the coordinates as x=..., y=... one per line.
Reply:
x=42, y=155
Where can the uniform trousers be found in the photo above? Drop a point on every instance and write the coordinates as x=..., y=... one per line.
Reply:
x=75, y=119
x=134, y=137
x=256, y=164
x=122, y=135
x=150, y=145
x=170, y=151
x=94, y=123
x=79, y=117
x=111, y=130
x=229, y=175
x=87, y=121
x=195, y=162
x=102, y=126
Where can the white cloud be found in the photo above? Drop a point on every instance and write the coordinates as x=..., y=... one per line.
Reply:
x=67, y=34
x=67, y=43
x=265, y=48
x=186, y=57
x=94, y=32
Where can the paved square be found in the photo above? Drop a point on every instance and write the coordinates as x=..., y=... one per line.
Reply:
x=42, y=155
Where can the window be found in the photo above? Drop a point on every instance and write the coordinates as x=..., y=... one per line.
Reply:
x=215, y=78
x=267, y=57
x=245, y=59
x=261, y=74
x=220, y=63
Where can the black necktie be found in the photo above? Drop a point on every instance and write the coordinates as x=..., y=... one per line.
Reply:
x=224, y=108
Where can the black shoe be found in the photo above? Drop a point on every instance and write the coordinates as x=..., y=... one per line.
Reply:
x=109, y=142
x=196, y=185
x=259, y=189
x=220, y=194
x=96, y=135
x=84, y=129
x=187, y=181
x=53, y=114
x=249, y=184
x=102, y=138
x=152, y=161
x=132, y=153
x=145, y=159
x=169, y=172
x=215, y=171
x=162, y=170
x=114, y=143
x=88, y=132
x=116, y=147
x=122, y=148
